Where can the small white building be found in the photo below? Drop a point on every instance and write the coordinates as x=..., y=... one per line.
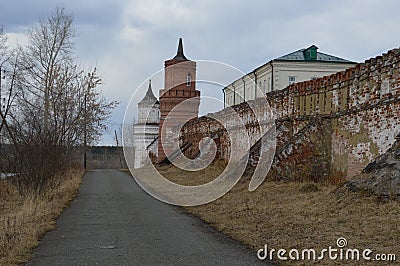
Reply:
x=145, y=132
x=304, y=64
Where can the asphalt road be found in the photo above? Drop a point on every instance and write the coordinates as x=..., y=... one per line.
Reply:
x=114, y=222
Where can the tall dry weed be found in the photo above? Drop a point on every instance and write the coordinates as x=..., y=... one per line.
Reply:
x=24, y=219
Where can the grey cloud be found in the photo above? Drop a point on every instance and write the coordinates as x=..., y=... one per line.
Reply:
x=129, y=40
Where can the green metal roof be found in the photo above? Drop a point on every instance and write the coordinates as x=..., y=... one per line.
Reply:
x=304, y=55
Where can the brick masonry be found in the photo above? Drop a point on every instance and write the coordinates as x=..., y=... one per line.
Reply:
x=334, y=125
x=176, y=95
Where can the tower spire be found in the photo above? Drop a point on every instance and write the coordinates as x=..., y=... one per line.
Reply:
x=149, y=96
x=179, y=54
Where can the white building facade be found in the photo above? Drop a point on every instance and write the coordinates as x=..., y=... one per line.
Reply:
x=277, y=74
x=145, y=132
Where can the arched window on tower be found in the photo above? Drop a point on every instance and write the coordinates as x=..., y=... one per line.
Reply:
x=188, y=80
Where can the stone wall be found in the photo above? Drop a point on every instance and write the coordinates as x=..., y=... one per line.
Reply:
x=356, y=113
x=105, y=157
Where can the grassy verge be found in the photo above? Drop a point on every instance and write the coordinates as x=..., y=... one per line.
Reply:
x=24, y=220
x=298, y=216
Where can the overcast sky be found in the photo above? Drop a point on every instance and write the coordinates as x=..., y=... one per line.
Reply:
x=128, y=40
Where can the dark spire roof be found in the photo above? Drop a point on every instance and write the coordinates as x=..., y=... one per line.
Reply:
x=179, y=54
x=149, y=97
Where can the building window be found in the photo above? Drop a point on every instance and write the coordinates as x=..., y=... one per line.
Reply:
x=292, y=79
x=313, y=53
x=264, y=89
x=188, y=80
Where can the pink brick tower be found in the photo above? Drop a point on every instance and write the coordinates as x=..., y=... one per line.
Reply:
x=179, y=85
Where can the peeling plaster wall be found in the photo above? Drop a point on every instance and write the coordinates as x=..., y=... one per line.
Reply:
x=359, y=138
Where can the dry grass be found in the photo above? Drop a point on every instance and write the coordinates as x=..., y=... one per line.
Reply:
x=24, y=220
x=300, y=215
x=190, y=178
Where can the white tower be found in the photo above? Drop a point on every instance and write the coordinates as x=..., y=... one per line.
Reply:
x=145, y=132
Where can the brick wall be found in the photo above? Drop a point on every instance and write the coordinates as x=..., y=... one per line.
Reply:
x=357, y=110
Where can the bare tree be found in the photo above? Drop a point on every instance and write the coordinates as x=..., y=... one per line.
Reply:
x=57, y=105
x=8, y=77
x=4, y=60
x=4, y=52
